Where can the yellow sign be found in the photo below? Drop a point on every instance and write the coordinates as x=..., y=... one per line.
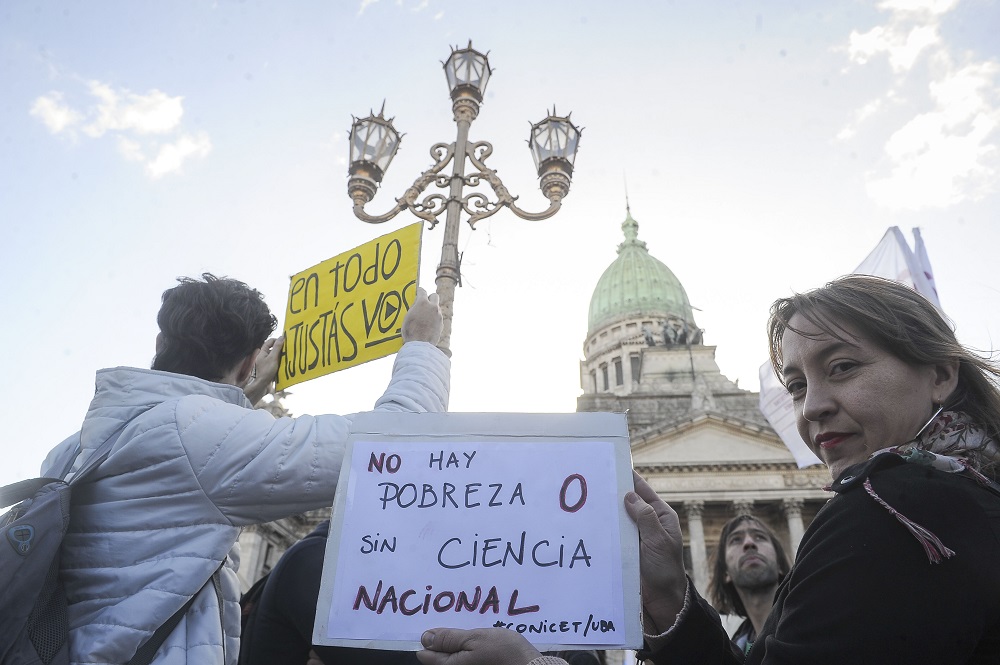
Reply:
x=349, y=309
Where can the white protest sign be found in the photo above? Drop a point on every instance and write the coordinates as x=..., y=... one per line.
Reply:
x=482, y=520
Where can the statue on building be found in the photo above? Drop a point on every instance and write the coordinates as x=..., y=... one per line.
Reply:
x=685, y=335
x=669, y=333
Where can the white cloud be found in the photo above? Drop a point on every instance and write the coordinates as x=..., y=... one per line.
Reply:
x=171, y=156
x=56, y=115
x=945, y=156
x=902, y=44
x=365, y=4
x=944, y=147
x=152, y=113
x=140, y=124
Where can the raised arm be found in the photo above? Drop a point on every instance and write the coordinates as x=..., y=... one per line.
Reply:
x=258, y=468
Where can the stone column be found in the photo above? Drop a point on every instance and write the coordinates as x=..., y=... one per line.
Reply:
x=742, y=507
x=696, y=535
x=793, y=514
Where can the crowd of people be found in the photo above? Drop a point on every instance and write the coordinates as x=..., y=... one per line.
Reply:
x=900, y=566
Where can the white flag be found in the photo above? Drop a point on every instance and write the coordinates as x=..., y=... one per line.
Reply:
x=928, y=290
x=893, y=259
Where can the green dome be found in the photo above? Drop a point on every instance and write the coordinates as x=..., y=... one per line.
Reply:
x=636, y=285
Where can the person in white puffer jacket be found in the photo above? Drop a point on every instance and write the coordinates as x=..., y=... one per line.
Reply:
x=194, y=463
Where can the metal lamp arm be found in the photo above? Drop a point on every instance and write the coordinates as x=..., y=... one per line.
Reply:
x=432, y=205
x=359, y=212
x=478, y=206
x=537, y=216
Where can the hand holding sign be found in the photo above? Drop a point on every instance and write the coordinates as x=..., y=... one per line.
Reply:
x=268, y=359
x=661, y=556
x=265, y=369
x=483, y=646
x=423, y=321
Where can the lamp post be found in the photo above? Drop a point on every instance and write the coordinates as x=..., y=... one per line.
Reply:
x=374, y=142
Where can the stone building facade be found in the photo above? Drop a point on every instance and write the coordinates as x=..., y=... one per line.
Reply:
x=697, y=437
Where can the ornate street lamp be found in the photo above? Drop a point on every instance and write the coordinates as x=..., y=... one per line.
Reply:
x=553, y=144
x=467, y=71
x=374, y=141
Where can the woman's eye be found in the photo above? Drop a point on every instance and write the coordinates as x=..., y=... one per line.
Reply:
x=842, y=366
x=795, y=387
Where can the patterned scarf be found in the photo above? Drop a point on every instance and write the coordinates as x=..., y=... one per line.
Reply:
x=952, y=443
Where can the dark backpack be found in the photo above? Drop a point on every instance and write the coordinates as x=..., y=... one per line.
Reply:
x=33, y=617
x=34, y=625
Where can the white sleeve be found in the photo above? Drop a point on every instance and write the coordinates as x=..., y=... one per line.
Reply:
x=256, y=468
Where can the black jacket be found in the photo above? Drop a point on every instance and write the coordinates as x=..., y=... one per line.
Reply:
x=862, y=589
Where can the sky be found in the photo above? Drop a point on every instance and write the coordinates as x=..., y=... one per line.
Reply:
x=765, y=146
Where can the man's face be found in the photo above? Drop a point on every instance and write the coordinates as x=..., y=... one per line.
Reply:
x=751, y=562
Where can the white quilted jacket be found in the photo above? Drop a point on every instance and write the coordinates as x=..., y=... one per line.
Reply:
x=193, y=465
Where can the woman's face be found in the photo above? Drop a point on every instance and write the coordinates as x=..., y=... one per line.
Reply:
x=853, y=398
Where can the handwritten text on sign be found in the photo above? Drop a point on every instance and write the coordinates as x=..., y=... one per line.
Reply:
x=349, y=309
x=523, y=535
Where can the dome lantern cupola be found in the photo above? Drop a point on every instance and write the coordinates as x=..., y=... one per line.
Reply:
x=637, y=285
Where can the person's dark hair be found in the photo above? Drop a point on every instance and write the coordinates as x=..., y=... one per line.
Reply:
x=904, y=323
x=209, y=325
x=722, y=592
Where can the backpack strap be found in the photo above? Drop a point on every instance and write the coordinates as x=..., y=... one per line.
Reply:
x=144, y=655
x=97, y=457
x=22, y=489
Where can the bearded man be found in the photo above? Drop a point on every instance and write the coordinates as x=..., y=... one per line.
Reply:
x=749, y=564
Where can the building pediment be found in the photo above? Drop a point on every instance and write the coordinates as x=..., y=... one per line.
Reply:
x=707, y=438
